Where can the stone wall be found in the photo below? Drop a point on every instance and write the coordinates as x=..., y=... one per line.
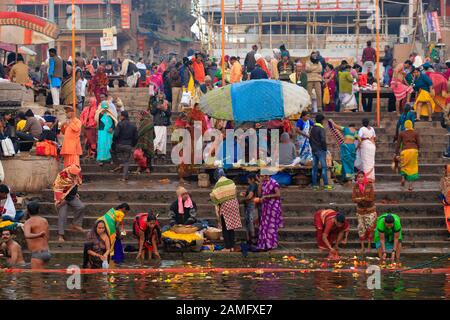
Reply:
x=29, y=173
x=14, y=92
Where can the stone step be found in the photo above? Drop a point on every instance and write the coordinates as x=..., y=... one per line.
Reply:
x=171, y=168
x=77, y=246
x=289, y=195
x=173, y=176
x=407, y=210
x=298, y=251
x=305, y=221
x=423, y=168
x=298, y=234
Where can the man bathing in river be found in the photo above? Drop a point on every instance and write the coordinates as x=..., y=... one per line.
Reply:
x=37, y=234
x=11, y=250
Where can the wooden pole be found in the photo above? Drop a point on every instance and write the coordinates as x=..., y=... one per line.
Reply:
x=223, y=41
x=377, y=27
x=74, y=94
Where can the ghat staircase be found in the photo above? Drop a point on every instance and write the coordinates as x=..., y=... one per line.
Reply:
x=420, y=210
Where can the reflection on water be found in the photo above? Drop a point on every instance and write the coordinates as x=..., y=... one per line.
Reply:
x=286, y=285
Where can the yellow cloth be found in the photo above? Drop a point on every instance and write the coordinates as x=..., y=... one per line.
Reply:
x=408, y=125
x=191, y=86
x=6, y=223
x=409, y=164
x=189, y=237
x=21, y=124
x=423, y=97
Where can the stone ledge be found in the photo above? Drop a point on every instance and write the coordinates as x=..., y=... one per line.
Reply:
x=29, y=173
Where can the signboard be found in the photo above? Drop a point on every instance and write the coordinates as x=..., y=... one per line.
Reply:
x=108, y=44
x=437, y=26
x=45, y=2
x=125, y=14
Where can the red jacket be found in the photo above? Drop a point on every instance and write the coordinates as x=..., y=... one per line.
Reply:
x=199, y=70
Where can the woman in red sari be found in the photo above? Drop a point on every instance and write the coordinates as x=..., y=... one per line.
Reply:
x=99, y=83
x=187, y=121
x=90, y=127
x=330, y=82
x=331, y=229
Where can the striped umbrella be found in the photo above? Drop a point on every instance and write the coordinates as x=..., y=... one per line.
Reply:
x=255, y=100
x=26, y=29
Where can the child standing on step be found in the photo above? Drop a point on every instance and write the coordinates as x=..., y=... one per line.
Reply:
x=250, y=208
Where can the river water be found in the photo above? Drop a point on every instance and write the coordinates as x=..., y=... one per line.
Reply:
x=325, y=284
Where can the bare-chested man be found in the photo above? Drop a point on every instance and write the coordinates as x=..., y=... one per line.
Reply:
x=37, y=234
x=11, y=250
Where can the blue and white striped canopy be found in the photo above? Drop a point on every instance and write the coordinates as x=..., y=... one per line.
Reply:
x=255, y=100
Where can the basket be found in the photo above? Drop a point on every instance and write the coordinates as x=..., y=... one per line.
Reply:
x=212, y=234
x=182, y=229
x=203, y=180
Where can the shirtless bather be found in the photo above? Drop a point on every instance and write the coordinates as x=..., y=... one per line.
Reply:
x=11, y=250
x=37, y=234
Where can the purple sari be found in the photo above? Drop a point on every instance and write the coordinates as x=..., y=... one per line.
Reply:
x=271, y=217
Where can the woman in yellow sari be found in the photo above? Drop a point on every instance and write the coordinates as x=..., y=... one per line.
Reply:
x=409, y=143
x=113, y=220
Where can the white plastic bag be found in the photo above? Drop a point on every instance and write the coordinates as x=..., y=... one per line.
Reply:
x=186, y=98
x=8, y=148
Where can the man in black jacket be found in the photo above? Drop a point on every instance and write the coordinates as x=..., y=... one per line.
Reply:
x=161, y=120
x=318, y=141
x=250, y=62
x=125, y=139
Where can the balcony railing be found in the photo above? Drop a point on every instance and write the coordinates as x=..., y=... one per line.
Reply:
x=90, y=23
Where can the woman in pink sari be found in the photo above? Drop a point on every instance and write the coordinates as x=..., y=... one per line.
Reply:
x=399, y=87
x=157, y=79
x=329, y=81
x=271, y=214
x=90, y=127
x=440, y=89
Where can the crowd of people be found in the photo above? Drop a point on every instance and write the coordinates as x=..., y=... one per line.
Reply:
x=100, y=128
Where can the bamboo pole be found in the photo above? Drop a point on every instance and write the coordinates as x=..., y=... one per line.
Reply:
x=377, y=27
x=223, y=42
x=358, y=15
x=74, y=94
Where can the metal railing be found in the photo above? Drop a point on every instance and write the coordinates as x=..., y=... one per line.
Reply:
x=302, y=41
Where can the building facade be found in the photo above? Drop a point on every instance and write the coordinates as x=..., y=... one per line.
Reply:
x=93, y=16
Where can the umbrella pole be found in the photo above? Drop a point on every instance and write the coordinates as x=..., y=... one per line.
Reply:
x=74, y=94
x=17, y=51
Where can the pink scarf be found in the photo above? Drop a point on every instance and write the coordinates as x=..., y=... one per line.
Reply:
x=187, y=204
x=362, y=186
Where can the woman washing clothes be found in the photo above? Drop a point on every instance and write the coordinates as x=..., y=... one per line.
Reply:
x=148, y=231
x=97, y=247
